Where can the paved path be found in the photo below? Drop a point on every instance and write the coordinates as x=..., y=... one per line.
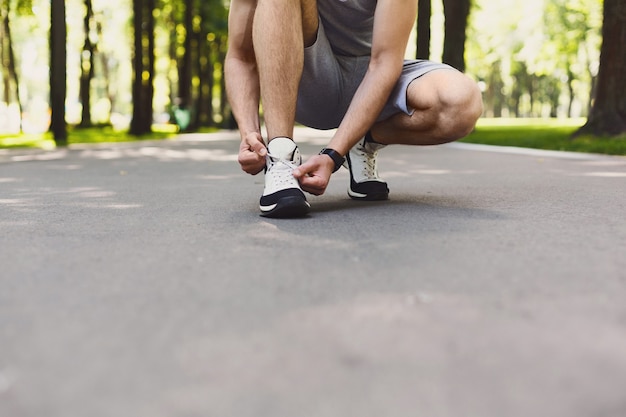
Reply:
x=139, y=280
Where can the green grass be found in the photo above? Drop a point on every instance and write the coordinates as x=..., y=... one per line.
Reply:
x=103, y=134
x=26, y=140
x=549, y=134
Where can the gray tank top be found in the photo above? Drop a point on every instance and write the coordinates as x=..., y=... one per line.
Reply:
x=348, y=25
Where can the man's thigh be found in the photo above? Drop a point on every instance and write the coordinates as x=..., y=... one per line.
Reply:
x=413, y=69
x=328, y=84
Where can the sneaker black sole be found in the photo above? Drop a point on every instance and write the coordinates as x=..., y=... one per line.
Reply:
x=369, y=196
x=287, y=207
x=368, y=190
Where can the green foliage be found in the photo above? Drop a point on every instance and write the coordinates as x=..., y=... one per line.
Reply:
x=548, y=134
x=539, y=44
x=92, y=135
x=27, y=140
x=533, y=58
x=24, y=7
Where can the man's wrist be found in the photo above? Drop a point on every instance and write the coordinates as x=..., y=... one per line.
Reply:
x=249, y=131
x=337, y=158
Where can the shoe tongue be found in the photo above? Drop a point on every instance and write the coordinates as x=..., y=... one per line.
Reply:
x=281, y=148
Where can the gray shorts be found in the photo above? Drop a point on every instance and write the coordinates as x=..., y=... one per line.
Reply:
x=330, y=81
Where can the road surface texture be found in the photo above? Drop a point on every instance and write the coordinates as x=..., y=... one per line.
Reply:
x=138, y=280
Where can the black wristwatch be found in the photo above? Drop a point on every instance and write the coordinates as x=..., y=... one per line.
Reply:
x=335, y=156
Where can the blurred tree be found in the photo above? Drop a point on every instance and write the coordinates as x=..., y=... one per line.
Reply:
x=211, y=30
x=493, y=95
x=58, y=69
x=185, y=63
x=456, y=14
x=528, y=65
x=104, y=58
x=608, y=113
x=424, y=13
x=87, y=66
x=10, y=76
x=569, y=27
x=143, y=67
x=521, y=78
x=196, y=49
x=205, y=68
x=556, y=44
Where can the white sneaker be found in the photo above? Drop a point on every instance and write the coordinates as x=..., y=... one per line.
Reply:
x=365, y=184
x=282, y=196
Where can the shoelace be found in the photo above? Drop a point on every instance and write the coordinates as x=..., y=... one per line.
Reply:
x=370, y=169
x=282, y=176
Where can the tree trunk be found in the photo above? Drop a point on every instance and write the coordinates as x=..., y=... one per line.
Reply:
x=137, y=125
x=8, y=62
x=493, y=94
x=225, y=109
x=106, y=76
x=86, y=67
x=6, y=80
x=456, y=14
x=186, y=63
x=143, y=67
x=423, y=29
x=530, y=87
x=149, y=85
x=58, y=66
x=570, y=90
x=608, y=113
x=204, y=70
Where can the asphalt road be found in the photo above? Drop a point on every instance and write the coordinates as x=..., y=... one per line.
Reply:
x=139, y=280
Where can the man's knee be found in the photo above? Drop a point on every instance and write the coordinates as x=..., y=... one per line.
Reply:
x=456, y=102
x=463, y=106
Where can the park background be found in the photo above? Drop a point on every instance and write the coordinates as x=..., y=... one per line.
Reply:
x=111, y=70
x=139, y=280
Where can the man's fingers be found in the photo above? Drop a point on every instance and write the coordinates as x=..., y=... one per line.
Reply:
x=306, y=170
x=252, y=154
x=313, y=175
x=312, y=183
x=255, y=144
x=253, y=164
x=258, y=148
x=314, y=191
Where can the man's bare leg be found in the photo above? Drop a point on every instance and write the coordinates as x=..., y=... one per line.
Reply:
x=280, y=31
x=447, y=105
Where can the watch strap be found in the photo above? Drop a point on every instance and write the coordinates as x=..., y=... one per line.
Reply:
x=337, y=158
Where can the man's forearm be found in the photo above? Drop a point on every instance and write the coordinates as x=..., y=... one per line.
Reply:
x=393, y=23
x=242, y=87
x=365, y=107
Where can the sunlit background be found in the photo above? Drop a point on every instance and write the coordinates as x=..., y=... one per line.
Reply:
x=512, y=46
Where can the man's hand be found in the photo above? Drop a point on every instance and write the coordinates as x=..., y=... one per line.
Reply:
x=314, y=174
x=252, y=153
